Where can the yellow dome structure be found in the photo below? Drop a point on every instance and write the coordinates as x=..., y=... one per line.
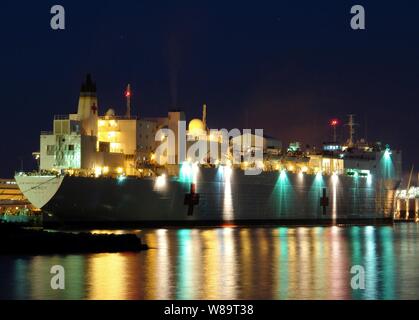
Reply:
x=196, y=127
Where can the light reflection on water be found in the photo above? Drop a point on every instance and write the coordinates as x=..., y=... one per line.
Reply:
x=232, y=263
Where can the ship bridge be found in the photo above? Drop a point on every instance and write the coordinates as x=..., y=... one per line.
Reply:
x=407, y=204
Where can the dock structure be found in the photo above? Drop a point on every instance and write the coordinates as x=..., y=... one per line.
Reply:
x=407, y=205
x=14, y=207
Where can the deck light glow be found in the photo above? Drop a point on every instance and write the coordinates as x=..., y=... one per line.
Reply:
x=98, y=171
x=283, y=174
x=318, y=175
x=161, y=181
x=195, y=171
x=228, y=171
x=186, y=169
x=369, y=179
x=335, y=177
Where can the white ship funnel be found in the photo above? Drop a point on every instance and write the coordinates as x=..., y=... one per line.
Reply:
x=87, y=110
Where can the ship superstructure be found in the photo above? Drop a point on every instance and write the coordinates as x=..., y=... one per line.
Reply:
x=106, y=168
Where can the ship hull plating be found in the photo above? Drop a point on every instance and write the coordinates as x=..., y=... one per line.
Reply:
x=224, y=197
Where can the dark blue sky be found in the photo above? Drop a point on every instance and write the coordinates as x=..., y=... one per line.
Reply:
x=285, y=66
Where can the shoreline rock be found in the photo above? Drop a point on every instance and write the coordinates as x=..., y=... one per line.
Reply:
x=15, y=239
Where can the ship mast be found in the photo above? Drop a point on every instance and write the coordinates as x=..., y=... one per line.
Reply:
x=410, y=179
x=204, y=116
x=333, y=124
x=351, y=124
x=128, y=97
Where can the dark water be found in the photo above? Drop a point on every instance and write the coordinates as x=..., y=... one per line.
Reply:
x=232, y=263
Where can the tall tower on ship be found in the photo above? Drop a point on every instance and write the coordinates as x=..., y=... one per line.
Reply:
x=87, y=110
x=351, y=124
x=204, y=116
x=128, y=97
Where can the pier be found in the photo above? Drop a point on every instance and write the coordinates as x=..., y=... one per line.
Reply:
x=14, y=207
x=407, y=205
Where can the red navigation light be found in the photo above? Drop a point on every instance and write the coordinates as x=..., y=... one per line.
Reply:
x=127, y=94
x=334, y=122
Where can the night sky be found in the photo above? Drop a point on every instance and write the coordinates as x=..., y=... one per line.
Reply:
x=285, y=66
